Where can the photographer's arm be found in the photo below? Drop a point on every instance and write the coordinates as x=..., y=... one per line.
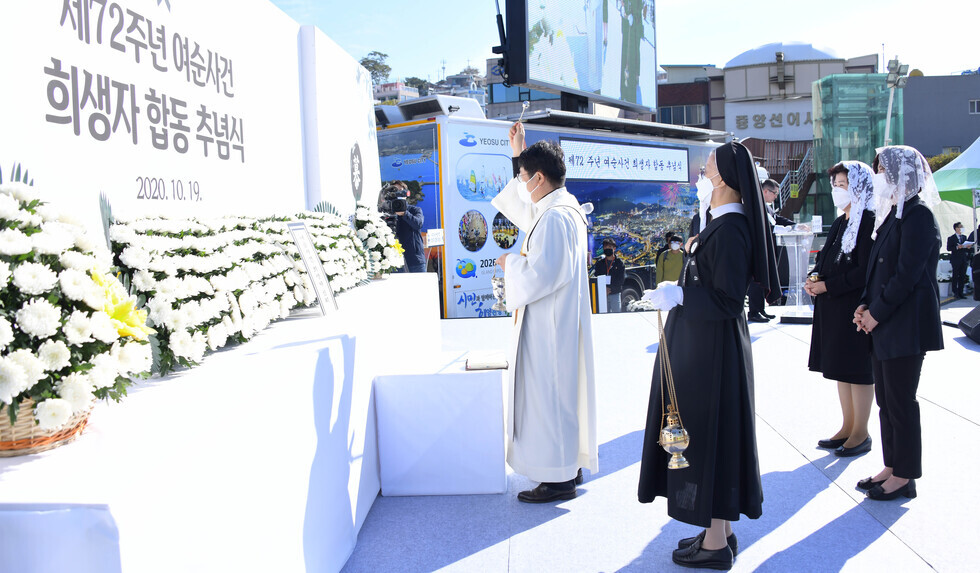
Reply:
x=414, y=217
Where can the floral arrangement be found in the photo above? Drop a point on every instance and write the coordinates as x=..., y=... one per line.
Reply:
x=69, y=331
x=639, y=305
x=344, y=260
x=205, y=282
x=384, y=252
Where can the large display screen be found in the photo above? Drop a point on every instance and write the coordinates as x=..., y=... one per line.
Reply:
x=602, y=49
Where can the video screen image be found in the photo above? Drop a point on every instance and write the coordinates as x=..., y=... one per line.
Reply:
x=602, y=47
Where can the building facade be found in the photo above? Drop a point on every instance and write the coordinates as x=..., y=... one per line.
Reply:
x=942, y=113
x=394, y=91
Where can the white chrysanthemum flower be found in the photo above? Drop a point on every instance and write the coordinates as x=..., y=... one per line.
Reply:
x=52, y=242
x=132, y=357
x=85, y=243
x=200, y=345
x=34, y=278
x=102, y=327
x=76, y=389
x=78, y=261
x=135, y=257
x=375, y=256
x=55, y=355
x=21, y=191
x=48, y=212
x=75, y=284
x=217, y=336
x=14, y=242
x=370, y=228
x=94, y=296
x=52, y=413
x=4, y=274
x=39, y=318
x=13, y=380
x=104, y=371
x=143, y=281
x=6, y=333
x=32, y=365
x=182, y=344
x=229, y=325
x=77, y=329
x=9, y=207
x=362, y=234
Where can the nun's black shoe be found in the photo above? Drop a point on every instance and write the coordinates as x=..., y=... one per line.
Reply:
x=547, y=492
x=831, y=444
x=878, y=493
x=579, y=479
x=756, y=317
x=869, y=483
x=697, y=557
x=862, y=448
x=689, y=541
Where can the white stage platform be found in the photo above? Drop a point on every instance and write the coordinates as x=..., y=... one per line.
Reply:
x=264, y=458
x=813, y=517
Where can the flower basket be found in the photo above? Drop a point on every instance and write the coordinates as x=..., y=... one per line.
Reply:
x=26, y=436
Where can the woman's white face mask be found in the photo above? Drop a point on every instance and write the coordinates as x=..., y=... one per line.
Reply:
x=842, y=197
x=883, y=190
x=705, y=189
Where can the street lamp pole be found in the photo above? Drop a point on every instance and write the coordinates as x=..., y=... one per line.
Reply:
x=896, y=79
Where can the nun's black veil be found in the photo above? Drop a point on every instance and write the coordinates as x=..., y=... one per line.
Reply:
x=737, y=169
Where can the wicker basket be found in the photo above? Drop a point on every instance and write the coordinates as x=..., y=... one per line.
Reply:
x=26, y=437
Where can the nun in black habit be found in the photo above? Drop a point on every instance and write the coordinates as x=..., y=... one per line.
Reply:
x=711, y=359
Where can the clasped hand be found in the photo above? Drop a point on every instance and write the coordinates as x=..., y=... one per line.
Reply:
x=665, y=297
x=813, y=288
x=863, y=319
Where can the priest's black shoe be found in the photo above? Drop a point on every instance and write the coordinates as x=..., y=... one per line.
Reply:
x=831, y=444
x=868, y=483
x=862, y=448
x=767, y=315
x=756, y=317
x=697, y=557
x=689, y=541
x=878, y=493
x=547, y=492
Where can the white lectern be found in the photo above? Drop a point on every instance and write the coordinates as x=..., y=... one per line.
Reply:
x=797, y=245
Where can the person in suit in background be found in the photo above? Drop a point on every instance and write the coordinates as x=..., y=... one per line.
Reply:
x=777, y=224
x=959, y=254
x=975, y=263
x=900, y=310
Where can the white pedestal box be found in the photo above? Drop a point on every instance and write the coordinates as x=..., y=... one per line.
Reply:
x=441, y=434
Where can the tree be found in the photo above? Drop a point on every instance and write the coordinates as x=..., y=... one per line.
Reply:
x=470, y=71
x=375, y=64
x=422, y=85
x=939, y=161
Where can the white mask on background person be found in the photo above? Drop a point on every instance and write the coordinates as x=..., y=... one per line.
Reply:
x=842, y=197
x=675, y=246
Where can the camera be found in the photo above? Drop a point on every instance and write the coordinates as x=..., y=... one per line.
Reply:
x=391, y=200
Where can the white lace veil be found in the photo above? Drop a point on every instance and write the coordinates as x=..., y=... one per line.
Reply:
x=862, y=191
x=907, y=174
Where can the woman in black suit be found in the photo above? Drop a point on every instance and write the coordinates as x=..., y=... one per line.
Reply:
x=836, y=349
x=900, y=310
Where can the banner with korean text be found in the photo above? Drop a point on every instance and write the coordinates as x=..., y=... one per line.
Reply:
x=169, y=107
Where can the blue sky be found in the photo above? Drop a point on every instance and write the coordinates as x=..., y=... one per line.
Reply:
x=418, y=34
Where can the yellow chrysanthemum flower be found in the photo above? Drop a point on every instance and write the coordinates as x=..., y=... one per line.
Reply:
x=121, y=308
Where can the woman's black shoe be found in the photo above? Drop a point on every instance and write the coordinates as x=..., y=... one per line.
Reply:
x=877, y=493
x=699, y=558
x=862, y=448
x=689, y=541
x=756, y=317
x=869, y=483
x=831, y=444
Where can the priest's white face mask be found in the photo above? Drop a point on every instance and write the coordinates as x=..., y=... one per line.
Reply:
x=524, y=191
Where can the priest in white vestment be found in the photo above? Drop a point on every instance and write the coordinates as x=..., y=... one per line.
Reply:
x=551, y=413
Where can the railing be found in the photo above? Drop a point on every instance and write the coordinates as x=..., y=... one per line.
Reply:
x=798, y=177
